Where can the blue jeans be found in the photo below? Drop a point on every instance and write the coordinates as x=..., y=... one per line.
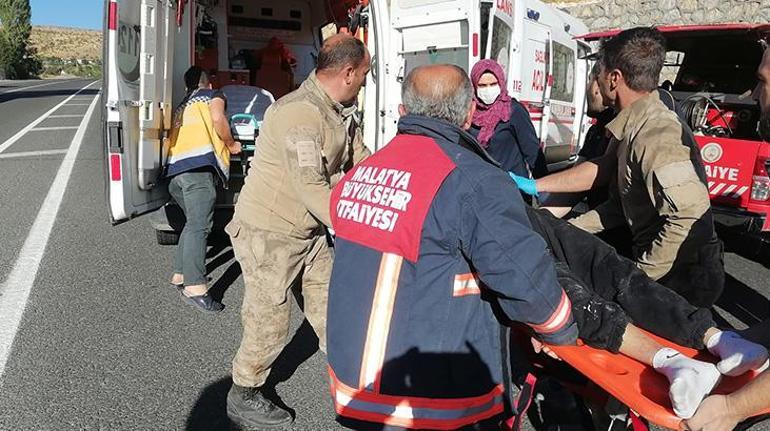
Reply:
x=195, y=194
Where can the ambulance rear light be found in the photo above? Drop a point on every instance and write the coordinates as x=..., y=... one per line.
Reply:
x=760, y=182
x=112, y=17
x=475, y=44
x=115, y=168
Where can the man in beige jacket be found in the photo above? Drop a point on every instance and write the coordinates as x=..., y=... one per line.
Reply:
x=308, y=139
x=657, y=183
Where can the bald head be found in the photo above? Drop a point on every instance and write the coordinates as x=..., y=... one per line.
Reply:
x=339, y=51
x=343, y=63
x=440, y=91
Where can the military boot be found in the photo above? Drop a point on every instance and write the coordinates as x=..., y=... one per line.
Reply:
x=247, y=407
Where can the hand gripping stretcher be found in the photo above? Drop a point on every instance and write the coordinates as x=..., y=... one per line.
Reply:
x=637, y=385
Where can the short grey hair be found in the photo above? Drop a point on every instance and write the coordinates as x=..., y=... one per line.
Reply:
x=451, y=107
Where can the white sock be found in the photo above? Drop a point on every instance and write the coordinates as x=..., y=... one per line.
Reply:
x=738, y=354
x=690, y=380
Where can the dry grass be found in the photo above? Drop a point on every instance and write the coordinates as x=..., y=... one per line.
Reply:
x=67, y=43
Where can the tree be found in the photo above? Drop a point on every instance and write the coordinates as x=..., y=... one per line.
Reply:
x=17, y=58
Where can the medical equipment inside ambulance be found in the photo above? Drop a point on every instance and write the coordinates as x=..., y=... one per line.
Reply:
x=246, y=106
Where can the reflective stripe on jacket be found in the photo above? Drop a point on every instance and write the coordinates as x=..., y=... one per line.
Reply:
x=433, y=248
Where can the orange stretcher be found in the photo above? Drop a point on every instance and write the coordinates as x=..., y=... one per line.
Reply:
x=637, y=385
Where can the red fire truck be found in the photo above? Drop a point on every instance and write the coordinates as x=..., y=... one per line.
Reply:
x=711, y=72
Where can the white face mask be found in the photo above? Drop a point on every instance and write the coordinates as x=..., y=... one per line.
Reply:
x=488, y=95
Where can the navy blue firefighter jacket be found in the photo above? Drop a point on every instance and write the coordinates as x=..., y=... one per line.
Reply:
x=431, y=239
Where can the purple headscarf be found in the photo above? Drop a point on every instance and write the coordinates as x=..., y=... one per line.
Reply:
x=488, y=116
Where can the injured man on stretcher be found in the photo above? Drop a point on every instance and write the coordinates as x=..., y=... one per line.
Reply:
x=612, y=298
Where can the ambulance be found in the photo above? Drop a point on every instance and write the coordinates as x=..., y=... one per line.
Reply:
x=273, y=44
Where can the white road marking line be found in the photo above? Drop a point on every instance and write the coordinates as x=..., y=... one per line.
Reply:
x=14, y=292
x=31, y=154
x=77, y=104
x=31, y=86
x=12, y=140
x=66, y=116
x=44, y=129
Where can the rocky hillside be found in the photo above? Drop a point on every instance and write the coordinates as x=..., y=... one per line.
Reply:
x=604, y=14
x=67, y=43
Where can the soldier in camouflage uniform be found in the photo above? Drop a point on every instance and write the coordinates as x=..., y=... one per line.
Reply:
x=308, y=139
x=658, y=185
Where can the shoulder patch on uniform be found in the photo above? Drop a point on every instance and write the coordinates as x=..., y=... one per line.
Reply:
x=307, y=156
x=676, y=173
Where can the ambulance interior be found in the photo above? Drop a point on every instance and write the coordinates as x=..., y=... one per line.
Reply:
x=269, y=44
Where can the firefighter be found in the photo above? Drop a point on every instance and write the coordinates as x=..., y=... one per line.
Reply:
x=279, y=228
x=432, y=238
x=658, y=181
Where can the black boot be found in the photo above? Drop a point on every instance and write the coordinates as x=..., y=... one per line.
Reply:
x=247, y=407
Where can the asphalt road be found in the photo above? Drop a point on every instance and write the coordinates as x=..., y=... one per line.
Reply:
x=104, y=343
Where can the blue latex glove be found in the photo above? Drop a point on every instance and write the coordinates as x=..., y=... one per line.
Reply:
x=526, y=185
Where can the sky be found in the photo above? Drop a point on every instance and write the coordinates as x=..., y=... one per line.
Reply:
x=68, y=13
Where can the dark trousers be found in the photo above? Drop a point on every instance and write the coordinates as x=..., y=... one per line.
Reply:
x=196, y=195
x=608, y=291
x=703, y=281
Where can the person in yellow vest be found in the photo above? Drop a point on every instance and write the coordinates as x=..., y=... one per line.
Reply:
x=198, y=157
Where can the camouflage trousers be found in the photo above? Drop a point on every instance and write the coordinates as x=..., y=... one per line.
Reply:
x=273, y=263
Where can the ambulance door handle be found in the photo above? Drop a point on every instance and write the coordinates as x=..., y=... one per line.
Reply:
x=400, y=74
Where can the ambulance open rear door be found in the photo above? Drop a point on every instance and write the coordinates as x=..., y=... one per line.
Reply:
x=434, y=31
x=380, y=115
x=535, y=85
x=138, y=56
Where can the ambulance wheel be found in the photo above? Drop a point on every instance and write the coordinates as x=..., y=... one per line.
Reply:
x=166, y=237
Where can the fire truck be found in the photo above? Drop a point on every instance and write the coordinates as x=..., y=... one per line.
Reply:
x=711, y=72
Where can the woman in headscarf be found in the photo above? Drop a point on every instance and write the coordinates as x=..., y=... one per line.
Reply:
x=502, y=125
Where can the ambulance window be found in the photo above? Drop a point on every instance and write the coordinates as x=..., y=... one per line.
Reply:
x=456, y=56
x=563, y=73
x=501, y=43
x=486, y=8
